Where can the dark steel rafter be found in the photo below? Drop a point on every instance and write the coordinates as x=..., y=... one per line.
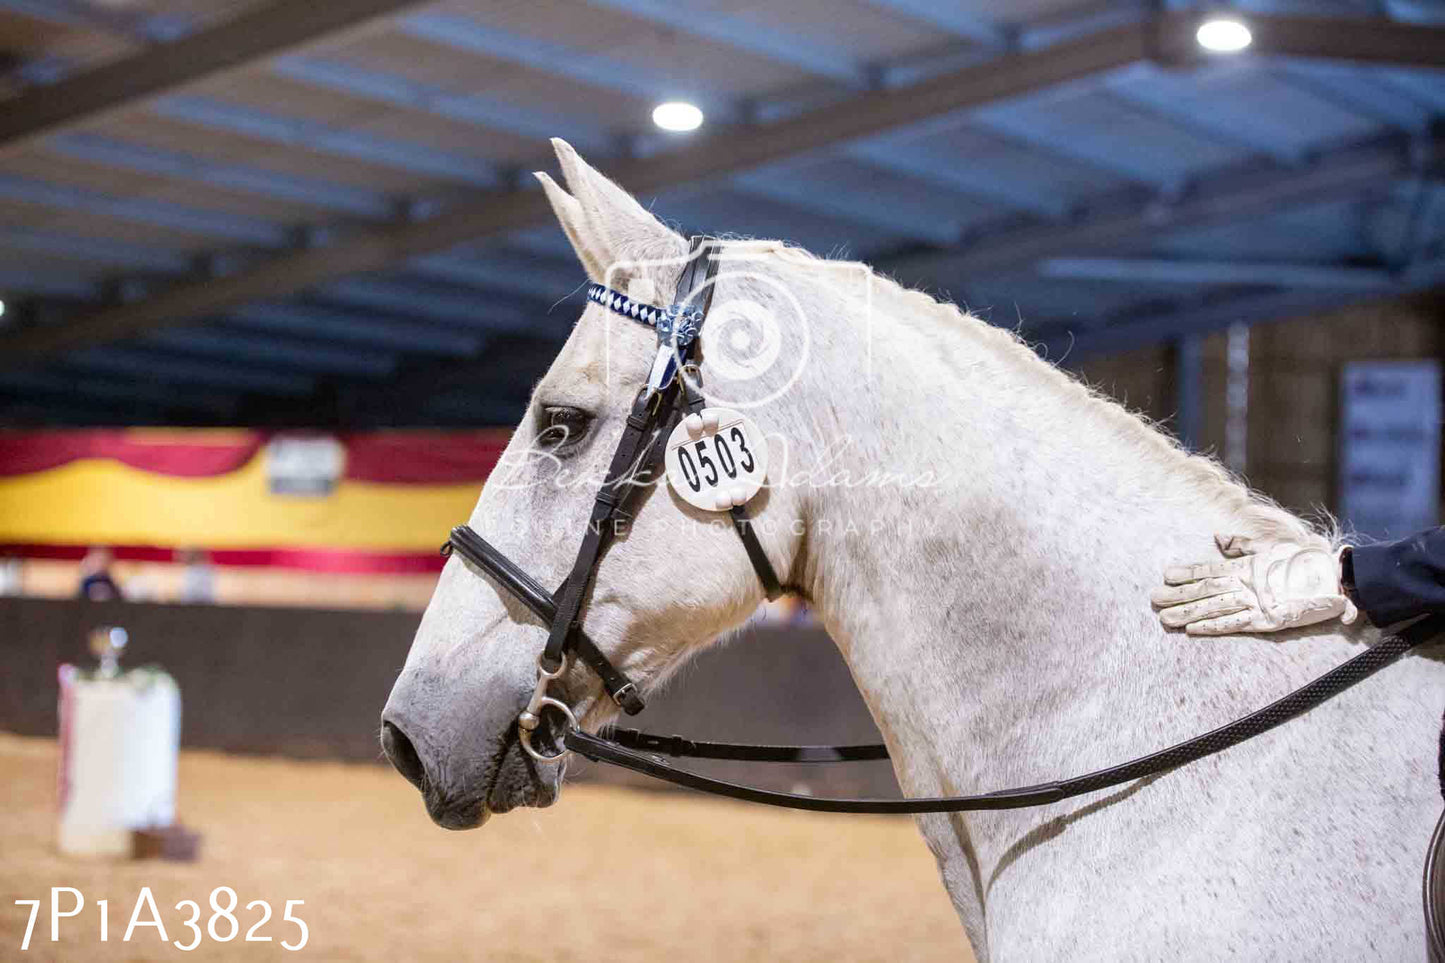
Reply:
x=1227, y=197
x=1167, y=39
x=1275, y=305
x=255, y=35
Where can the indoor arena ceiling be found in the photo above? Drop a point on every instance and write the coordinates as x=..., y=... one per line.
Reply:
x=221, y=212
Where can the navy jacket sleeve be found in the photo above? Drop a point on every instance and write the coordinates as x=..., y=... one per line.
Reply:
x=1400, y=580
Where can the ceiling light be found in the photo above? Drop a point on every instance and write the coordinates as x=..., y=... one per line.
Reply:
x=1222, y=35
x=2, y=309
x=677, y=115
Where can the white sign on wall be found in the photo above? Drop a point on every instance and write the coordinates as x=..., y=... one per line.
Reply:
x=304, y=465
x=1390, y=447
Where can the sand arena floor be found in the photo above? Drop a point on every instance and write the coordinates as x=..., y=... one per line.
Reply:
x=607, y=874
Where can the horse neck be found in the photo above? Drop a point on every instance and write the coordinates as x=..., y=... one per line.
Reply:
x=997, y=621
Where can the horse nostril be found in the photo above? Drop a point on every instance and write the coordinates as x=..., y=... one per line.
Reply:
x=402, y=753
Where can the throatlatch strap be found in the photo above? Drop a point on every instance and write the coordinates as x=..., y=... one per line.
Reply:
x=756, y=554
x=693, y=403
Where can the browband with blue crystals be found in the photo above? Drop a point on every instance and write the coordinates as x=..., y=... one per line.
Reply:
x=678, y=321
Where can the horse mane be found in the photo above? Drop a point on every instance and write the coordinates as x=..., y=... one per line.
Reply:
x=1259, y=516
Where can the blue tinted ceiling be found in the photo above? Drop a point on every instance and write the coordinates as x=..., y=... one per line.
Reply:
x=443, y=102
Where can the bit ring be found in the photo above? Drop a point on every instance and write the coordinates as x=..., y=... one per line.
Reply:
x=525, y=733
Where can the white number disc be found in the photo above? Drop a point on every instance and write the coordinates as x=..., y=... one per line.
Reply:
x=716, y=459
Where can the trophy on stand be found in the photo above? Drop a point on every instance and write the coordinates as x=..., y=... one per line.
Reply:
x=119, y=739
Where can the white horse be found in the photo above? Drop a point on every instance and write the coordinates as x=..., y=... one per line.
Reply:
x=979, y=532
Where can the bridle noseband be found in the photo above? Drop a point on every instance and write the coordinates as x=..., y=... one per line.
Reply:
x=672, y=392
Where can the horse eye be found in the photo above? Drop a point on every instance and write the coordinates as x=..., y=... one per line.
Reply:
x=563, y=427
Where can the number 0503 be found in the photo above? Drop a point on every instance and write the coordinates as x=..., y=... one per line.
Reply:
x=716, y=459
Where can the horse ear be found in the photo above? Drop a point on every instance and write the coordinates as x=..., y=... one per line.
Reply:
x=574, y=225
x=615, y=223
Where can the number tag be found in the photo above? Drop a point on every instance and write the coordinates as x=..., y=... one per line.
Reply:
x=716, y=459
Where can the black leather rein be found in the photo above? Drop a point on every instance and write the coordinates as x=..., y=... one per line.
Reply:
x=631, y=749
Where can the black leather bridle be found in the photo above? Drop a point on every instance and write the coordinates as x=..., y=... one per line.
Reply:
x=673, y=390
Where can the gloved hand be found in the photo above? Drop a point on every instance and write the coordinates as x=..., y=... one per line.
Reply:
x=1263, y=587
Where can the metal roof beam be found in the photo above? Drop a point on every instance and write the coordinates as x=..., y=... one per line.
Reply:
x=138, y=257
x=1077, y=20
x=446, y=305
x=328, y=195
x=876, y=213
x=1343, y=85
x=946, y=17
x=725, y=151
x=1165, y=271
x=1210, y=201
x=592, y=69
x=1275, y=306
x=1151, y=103
x=350, y=327
x=274, y=351
x=955, y=176
x=493, y=213
x=321, y=139
x=1375, y=41
x=58, y=283
x=408, y=94
x=192, y=220
x=473, y=110
x=255, y=34
x=102, y=19
x=529, y=275
x=742, y=34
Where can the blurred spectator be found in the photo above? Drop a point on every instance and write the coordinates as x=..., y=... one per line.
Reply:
x=12, y=575
x=198, y=582
x=141, y=587
x=96, y=583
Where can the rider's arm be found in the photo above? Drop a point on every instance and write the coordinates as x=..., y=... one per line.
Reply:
x=1394, y=581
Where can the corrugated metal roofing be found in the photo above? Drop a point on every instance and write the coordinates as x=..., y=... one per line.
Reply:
x=401, y=117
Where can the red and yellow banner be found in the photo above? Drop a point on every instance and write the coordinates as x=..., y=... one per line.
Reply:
x=398, y=457
x=150, y=492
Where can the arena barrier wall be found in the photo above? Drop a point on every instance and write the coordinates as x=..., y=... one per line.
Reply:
x=311, y=684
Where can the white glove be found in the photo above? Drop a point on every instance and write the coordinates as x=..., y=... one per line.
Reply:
x=1264, y=587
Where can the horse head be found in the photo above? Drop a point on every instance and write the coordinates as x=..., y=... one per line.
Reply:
x=672, y=579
